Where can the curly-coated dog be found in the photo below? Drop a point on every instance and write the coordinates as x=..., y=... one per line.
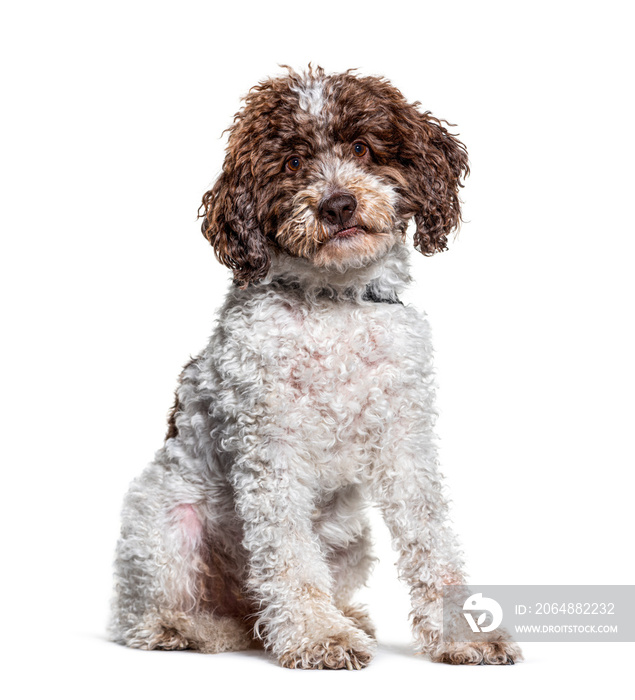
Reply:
x=313, y=397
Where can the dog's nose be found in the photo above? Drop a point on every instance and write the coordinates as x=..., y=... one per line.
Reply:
x=338, y=208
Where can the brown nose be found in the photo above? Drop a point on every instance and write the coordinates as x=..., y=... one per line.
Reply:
x=338, y=208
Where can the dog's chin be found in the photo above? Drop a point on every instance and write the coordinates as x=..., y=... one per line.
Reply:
x=347, y=233
x=351, y=248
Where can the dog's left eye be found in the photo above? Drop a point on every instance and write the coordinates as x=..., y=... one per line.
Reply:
x=360, y=149
x=294, y=164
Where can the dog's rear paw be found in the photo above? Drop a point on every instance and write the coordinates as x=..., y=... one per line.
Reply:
x=489, y=652
x=342, y=650
x=358, y=615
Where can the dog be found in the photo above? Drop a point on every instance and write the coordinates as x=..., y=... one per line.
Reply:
x=314, y=396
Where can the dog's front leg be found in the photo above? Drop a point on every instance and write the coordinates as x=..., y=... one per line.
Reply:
x=410, y=494
x=288, y=575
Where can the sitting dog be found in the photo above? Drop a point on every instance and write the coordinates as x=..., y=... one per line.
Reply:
x=314, y=395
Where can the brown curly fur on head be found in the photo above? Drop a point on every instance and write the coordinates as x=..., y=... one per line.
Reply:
x=413, y=165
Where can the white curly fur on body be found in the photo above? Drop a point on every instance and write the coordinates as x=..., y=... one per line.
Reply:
x=314, y=396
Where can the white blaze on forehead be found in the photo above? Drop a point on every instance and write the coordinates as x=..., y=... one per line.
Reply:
x=311, y=97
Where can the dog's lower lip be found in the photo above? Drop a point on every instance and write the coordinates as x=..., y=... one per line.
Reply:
x=346, y=232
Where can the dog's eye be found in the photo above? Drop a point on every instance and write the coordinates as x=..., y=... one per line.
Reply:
x=294, y=164
x=360, y=149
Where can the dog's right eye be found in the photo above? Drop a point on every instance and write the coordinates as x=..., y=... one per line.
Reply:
x=294, y=164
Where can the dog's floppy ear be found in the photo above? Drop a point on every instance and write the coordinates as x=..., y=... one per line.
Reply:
x=435, y=161
x=230, y=224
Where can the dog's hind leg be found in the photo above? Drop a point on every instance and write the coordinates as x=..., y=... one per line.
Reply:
x=345, y=533
x=176, y=586
x=350, y=568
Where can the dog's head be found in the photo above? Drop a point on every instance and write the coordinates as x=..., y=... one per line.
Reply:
x=331, y=168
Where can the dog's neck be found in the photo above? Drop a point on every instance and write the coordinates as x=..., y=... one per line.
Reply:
x=380, y=281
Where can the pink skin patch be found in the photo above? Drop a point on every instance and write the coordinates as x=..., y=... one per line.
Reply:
x=189, y=523
x=348, y=232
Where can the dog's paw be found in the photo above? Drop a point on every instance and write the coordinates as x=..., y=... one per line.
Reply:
x=489, y=652
x=340, y=650
x=358, y=615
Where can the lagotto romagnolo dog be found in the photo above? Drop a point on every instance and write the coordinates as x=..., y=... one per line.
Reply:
x=313, y=397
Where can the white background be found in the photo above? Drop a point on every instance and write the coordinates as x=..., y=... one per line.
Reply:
x=112, y=116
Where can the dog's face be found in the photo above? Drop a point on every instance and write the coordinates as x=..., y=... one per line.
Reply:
x=331, y=168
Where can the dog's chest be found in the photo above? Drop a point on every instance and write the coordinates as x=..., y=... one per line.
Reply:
x=336, y=352
x=328, y=385
x=336, y=379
